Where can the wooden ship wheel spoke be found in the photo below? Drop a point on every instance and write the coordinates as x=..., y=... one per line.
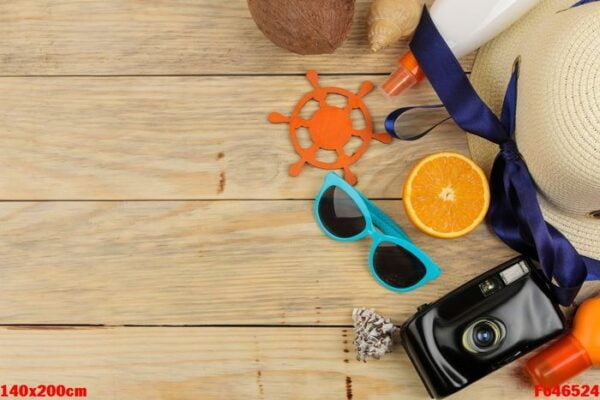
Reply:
x=330, y=128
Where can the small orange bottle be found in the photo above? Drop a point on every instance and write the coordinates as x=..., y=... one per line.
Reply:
x=408, y=74
x=574, y=353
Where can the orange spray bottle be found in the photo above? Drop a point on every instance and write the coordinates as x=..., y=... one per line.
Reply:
x=572, y=354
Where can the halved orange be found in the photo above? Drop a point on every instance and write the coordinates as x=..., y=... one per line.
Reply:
x=446, y=195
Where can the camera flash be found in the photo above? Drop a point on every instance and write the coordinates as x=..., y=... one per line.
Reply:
x=487, y=287
x=511, y=274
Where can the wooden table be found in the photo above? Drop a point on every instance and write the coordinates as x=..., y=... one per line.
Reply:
x=152, y=243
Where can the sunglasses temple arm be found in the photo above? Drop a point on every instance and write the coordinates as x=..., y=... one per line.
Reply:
x=385, y=223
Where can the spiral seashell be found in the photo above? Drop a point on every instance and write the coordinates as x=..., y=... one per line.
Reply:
x=391, y=20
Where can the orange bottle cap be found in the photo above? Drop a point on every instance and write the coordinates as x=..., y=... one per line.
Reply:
x=408, y=74
x=559, y=362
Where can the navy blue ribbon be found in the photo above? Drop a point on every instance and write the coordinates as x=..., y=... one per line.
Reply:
x=390, y=122
x=514, y=214
x=582, y=2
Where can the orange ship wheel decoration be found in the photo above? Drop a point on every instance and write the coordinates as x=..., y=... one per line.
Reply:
x=330, y=128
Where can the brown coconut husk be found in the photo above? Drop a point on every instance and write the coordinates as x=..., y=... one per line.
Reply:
x=304, y=26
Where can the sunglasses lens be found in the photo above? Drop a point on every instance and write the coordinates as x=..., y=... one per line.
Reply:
x=396, y=266
x=340, y=214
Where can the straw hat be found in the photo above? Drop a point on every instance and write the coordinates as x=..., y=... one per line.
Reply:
x=558, y=111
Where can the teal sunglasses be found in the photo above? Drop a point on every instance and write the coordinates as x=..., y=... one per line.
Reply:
x=344, y=214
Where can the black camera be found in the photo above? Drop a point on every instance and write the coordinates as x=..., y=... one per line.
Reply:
x=481, y=326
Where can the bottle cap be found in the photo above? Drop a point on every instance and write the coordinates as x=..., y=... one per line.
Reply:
x=407, y=75
x=559, y=362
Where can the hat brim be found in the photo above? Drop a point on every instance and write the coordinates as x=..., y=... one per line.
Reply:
x=490, y=75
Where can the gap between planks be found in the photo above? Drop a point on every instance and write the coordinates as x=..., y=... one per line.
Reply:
x=201, y=326
x=225, y=75
x=171, y=200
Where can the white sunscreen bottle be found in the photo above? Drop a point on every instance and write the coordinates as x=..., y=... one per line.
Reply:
x=465, y=25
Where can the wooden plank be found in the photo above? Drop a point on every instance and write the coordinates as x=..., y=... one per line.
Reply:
x=157, y=37
x=205, y=262
x=182, y=138
x=226, y=363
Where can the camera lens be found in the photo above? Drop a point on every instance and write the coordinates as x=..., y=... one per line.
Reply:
x=483, y=335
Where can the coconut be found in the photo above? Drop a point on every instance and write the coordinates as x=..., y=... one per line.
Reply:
x=304, y=26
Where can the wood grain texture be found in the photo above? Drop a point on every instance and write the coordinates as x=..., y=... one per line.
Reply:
x=183, y=138
x=157, y=37
x=220, y=262
x=222, y=235
x=226, y=363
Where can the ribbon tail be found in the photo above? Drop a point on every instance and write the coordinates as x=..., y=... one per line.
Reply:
x=562, y=265
x=500, y=215
x=390, y=122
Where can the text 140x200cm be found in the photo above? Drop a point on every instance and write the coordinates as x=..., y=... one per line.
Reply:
x=42, y=391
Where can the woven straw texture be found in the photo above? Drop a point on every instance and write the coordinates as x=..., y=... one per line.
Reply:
x=558, y=111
